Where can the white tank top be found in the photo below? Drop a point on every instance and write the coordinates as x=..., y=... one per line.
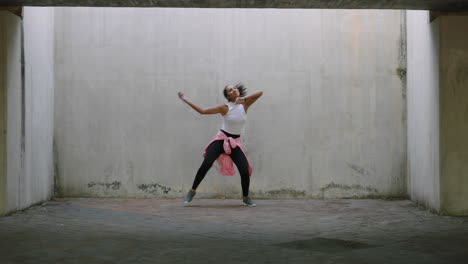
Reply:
x=234, y=120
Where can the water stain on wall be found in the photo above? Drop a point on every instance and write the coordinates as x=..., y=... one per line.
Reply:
x=154, y=188
x=359, y=169
x=356, y=189
x=280, y=193
x=401, y=72
x=115, y=185
x=286, y=192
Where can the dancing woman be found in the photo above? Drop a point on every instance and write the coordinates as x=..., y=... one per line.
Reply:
x=226, y=146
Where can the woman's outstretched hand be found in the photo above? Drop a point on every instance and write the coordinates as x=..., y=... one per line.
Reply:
x=181, y=95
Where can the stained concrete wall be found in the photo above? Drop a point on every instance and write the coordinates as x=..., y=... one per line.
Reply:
x=331, y=122
x=454, y=114
x=423, y=109
x=28, y=177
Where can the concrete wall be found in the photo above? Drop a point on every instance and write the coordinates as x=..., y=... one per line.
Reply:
x=29, y=104
x=454, y=114
x=423, y=109
x=331, y=122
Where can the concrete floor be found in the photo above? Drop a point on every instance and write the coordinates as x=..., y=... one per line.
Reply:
x=224, y=231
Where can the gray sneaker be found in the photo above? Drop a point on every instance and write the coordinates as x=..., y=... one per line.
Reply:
x=249, y=202
x=188, y=198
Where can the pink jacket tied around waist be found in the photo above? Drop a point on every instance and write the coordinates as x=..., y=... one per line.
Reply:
x=226, y=165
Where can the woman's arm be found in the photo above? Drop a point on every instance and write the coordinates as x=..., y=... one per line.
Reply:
x=250, y=99
x=220, y=109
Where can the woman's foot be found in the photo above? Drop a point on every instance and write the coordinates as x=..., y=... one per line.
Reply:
x=247, y=201
x=188, y=198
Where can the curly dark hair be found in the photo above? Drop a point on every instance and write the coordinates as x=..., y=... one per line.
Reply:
x=241, y=87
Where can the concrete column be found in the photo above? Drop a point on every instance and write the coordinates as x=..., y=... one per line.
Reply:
x=10, y=107
x=39, y=102
x=2, y=114
x=454, y=115
x=26, y=108
x=423, y=109
x=438, y=111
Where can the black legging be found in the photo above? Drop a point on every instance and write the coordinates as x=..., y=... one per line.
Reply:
x=237, y=155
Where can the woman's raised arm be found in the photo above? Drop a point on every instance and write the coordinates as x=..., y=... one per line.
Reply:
x=220, y=109
x=250, y=99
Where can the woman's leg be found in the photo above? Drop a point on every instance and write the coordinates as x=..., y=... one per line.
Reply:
x=212, y=153
x=237, y=155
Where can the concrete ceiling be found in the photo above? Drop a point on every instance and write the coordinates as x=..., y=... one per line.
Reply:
x=436, y=5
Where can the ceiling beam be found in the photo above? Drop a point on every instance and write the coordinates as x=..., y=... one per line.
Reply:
x=436, y=5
